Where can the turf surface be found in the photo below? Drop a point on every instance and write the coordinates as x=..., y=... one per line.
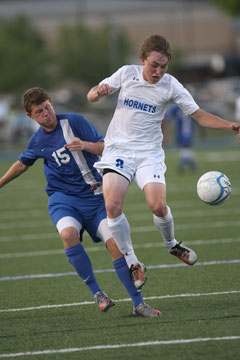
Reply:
x=47, y=312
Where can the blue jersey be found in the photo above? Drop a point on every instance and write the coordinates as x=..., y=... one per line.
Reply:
x=71, y=173
x=185, y=126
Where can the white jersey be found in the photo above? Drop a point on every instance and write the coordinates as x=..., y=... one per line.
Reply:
x=136, y=123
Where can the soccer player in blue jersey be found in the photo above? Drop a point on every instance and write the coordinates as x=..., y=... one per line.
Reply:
x=185, y=128
x=68, y=145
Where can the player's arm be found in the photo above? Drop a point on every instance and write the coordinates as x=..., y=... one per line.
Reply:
x=92, y=147
x=165, y=131
x=14, y=171
x=99, y=91
x=208, y=120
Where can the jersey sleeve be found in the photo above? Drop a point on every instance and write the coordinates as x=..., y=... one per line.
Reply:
x=182, y=97
x=28, y=156
x=115, y=80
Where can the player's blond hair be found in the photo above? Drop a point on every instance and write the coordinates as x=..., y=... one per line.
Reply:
x=155, y=43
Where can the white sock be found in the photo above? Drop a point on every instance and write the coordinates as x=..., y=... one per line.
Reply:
x=120, y=230
x=166, y=226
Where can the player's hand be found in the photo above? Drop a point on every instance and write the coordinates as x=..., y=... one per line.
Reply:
x=103, y=90
x=99, y=91
x=75, y=145
x=236, y=129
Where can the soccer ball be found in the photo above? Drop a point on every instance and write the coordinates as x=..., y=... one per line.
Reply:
x=213, y=188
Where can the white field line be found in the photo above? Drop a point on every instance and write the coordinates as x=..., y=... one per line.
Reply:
x=147, y=228
x=140, y=215
x=19, y=214
x=119, y=346
x=21, y=205
x=21, y=237
x=175, y=204
x=54, y=235
x=25, y=224
x=172, y=188
x=190, y=214
x=152, y=267
x=201, y=225
x=121, y=300
x=213, y=156
x=102, y=248
x=26, y=206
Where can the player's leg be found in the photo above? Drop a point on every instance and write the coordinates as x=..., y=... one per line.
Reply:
x=119, y=262
x=155, y=194
x=152, y=180
x=122, y=270
x=186, y=159
x=69, y=229
x=156, y=198
x=115, y=187
x=79, y=259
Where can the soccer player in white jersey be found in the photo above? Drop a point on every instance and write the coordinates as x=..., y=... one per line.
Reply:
x=133, y=143
x=68, y=145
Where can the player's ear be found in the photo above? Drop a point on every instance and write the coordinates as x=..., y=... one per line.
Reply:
x=142, y=61
x=29, y=115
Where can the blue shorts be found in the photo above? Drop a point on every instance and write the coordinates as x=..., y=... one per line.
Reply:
x=89, y=212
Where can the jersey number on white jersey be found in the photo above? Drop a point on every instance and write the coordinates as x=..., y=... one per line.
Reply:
x=119, y=163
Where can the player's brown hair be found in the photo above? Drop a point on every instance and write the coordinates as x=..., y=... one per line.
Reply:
x=155, y=43
x=34, y=96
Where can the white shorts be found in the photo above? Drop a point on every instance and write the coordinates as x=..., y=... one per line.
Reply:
x=142, y=167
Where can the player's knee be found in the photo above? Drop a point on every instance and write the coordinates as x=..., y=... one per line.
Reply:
x=113, y=207
x=70, y=237
x=159, y=208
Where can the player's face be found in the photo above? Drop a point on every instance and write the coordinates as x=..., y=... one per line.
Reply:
x=44, y=114
x=154, y=66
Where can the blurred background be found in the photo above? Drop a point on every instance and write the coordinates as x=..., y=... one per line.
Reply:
x=69, y=46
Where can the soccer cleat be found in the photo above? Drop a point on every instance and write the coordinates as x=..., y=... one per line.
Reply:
x=103, y=301
x=145, y=310
x=137, y=273
x=183, y=253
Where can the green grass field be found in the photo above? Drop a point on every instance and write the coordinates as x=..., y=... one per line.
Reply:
x=46, y=312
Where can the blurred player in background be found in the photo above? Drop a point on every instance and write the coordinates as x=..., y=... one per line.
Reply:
x=133, y=143
x=69, y=146
x=237, y=109
x=185, y=128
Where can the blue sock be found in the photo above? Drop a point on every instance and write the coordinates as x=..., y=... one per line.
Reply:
x=79, y=259
x=123, y=273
